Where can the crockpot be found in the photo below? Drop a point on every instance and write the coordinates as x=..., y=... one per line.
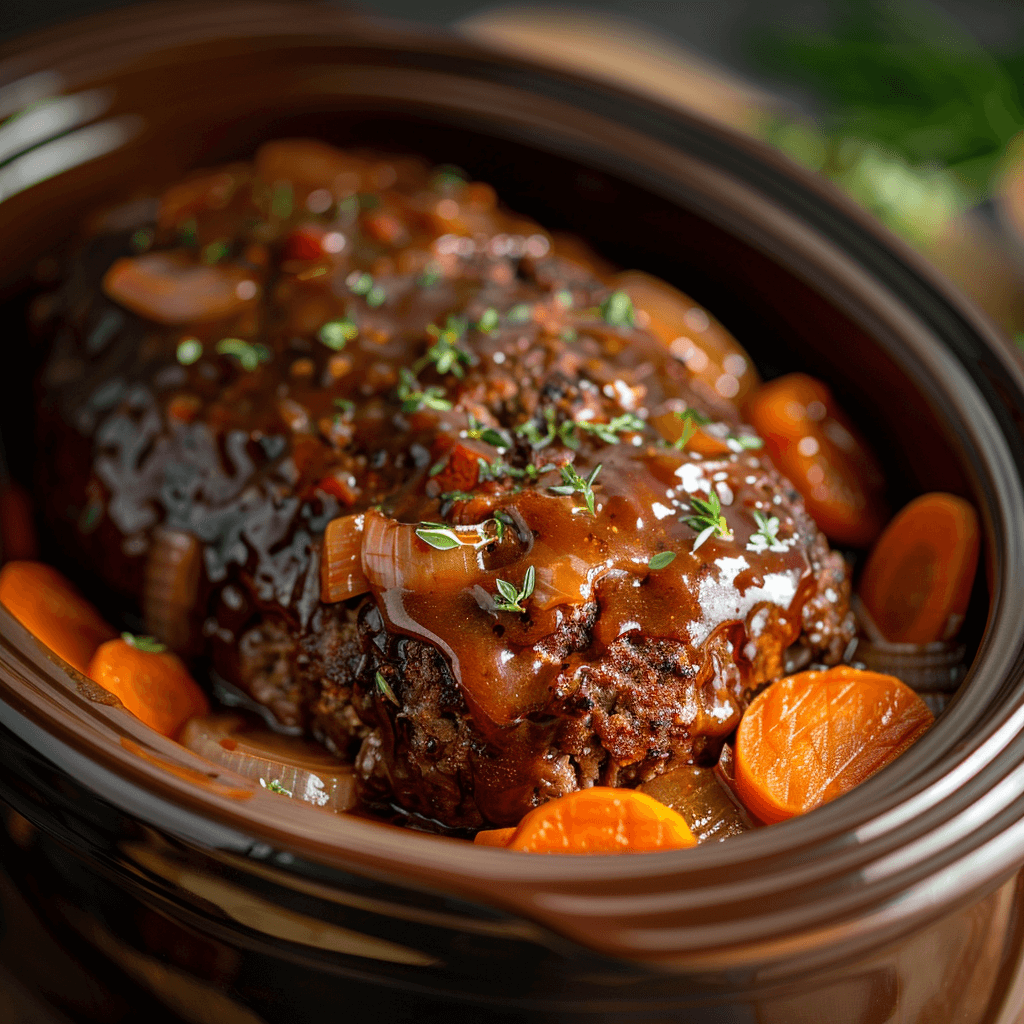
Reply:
x=207, y=899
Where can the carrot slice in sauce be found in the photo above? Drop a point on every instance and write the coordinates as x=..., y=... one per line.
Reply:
x=152, y=684
x=814, y=443
x=917, y=580
x=816, y=735
x=602, y=820
x=45, y=603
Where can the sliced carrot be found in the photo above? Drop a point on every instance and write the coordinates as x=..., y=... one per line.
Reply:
x=814, y=736
x=815, y=444
x=602, y=820
x=46, y=604
x=494, y=837
x=917, y=580
x=152, y=683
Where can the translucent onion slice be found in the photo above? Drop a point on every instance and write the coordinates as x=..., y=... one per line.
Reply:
x=171, y=585
x=289, y=766
x=701, y=799
x=172, y=288
x=394, y=557
x=939, y=666
x=341, y=570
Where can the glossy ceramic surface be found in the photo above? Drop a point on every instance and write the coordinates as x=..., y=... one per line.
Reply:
x=898, y=902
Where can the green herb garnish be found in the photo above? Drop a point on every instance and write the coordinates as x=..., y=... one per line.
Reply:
x=564, y=298
x=489, y=435
x=707, y=519
x=274, y=785
x=575, y=484
x=617, y=310
x=248, y=354
x=282, y=200
x=520, y=313
x=446, y=354
x=564, y=432
x=214, y=252
x=414, y=398
x=661, y=559
x=489, y=320
x=512, y=599
x=359, y=283
x=457, y=495
x=336, y=333
x=609, y=432
x=385, y=688
x=149, y=644
x=430, y=276
x=448, y=178
x=190, y=350
x=767, y=535
x=142, y=239
x=376, y=296
x=744, y=442
x=438, y=536
x=691, y=420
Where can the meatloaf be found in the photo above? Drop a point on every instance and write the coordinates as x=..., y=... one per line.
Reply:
x=560, y=558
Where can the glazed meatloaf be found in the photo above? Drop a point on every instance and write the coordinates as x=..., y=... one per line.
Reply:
x=419, y=480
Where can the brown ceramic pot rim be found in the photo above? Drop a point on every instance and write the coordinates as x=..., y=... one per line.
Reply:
x=912, y=841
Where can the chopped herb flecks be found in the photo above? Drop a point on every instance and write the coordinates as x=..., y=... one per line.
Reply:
x=446, y=354
x=190, y=350
x=414, y=398
x=609, y=432
x=691, y=420
x=707, y=519
x=384, y=688
x=766, y=538
x=148, y=644
x=575, y=484
x=335, y=334
x=249, y=354
x=617, y=310
x=511, y=600
x=274, y=785
x=489, y=319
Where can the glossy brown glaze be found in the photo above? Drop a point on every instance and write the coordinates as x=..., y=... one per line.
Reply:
x=323, y=332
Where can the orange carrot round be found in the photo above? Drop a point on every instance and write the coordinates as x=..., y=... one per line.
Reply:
x=46, y=604
x=152, y=683
x=917, y=580
x=814, y=736
x=813, y=442
x=602, y=820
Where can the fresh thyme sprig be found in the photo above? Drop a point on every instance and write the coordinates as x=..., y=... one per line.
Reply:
x=609, y=432
x=512, y=599
x=691, y=420
x=414, y=398
x=575, y=484
x=335, y=334
x=707, y=519
x=274, y=785
x=564, y=431
x=766, y=537
x=489, y=435
x=499, y=469
x=446, y=354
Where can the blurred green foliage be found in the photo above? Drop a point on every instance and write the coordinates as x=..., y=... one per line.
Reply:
x=916, y=115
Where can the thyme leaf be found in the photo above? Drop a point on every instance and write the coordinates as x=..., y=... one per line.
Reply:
x=511, y=598
x=707, y=519
x=573, y=483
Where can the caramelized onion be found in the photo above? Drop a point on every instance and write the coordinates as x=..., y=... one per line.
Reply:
x=289, y=766
x=701, y=799
x=394, y=557
x=341, y=571
x=171, y=585
x=172, y=288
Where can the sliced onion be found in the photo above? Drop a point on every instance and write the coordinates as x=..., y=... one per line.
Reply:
x=701, y=799
x=171, y=585
x=937, y=666
x=292, y=767
x=341, y=571
x=172, y=288
x=394, y=557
